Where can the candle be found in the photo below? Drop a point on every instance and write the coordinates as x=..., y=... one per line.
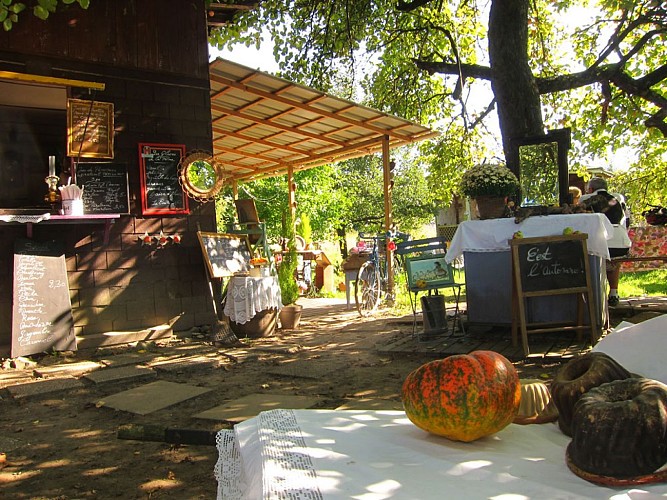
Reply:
x=52, y=166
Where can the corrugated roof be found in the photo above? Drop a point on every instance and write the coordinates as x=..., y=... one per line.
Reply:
x=263, y=124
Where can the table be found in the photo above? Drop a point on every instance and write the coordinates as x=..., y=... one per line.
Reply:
x=488, y=266
x=247, y=298
x=334, y=454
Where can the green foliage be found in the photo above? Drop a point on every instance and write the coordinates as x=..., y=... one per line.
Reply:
x=304, y=229
x=289, y=289
x=10, y=10
x=643, y=283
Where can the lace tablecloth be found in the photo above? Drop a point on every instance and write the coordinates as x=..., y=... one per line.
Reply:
x=246, y=296
x=492, y=235
x=333, y=454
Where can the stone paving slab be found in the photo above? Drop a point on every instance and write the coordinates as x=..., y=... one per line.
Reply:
x=250, y=406
x=125, y=359
x=44, y=387
x=73, y=369
x=302, y=369
x=151, y=397
x=123, y=373
x=187, y=364
x=11, y=377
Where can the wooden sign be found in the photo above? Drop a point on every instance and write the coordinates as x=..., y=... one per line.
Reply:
x=90, y=129
x=225, y=254
x=552, y=265
x=41, y=308
x=105, y=188
x=161, y=191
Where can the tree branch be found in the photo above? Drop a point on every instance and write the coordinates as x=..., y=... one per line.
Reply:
x=464, y=70
x=404, y=6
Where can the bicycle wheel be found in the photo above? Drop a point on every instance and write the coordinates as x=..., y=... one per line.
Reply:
x=367, y=289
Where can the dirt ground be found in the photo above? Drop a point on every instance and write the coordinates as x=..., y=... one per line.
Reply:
x=65, y=445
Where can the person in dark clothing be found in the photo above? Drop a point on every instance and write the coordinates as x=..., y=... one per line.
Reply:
x=613, y=206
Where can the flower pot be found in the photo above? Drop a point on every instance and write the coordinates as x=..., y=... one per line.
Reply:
x=490, y=207
x=263, y=324
x=290, y=316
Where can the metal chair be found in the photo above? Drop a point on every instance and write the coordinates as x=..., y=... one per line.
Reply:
x=427, y=271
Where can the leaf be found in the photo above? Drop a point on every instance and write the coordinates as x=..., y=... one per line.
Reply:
x=7, y=24
x=40, y=12
x=3, y=14
x=17, y=8
x=84, y=3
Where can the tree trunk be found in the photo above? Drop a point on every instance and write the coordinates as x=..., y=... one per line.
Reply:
x=514, y=87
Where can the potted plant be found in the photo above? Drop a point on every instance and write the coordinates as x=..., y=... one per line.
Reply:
x=290, y=314
x=489, y=185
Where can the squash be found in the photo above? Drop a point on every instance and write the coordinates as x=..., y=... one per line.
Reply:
x=619, y=429
x=463, y=397
x=578, y=376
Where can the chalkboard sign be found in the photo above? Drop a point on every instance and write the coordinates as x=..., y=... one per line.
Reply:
x=105, y=187
x=225, y=254
x=41, y=308
x=552, y=264
x=161, y=191
x=90, y=129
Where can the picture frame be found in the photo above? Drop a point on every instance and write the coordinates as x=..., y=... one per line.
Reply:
x=225, y=254
x=428, y=272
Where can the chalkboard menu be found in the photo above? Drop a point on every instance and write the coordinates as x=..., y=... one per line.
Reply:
x=161, y=191
x=41, y=308
x=105, y=187
x=552, y=263
x=225, y=254
x=90, y=129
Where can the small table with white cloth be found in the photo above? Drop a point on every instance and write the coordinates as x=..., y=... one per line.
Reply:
x=488, y=265
x=250, y=303
x=343, y=454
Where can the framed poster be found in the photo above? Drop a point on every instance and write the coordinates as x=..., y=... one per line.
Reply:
x=89, y=129
x=428, y=271
x=225, y=254
x=161, y=191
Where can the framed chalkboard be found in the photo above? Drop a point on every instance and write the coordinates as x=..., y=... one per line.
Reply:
x=161, y=191
x=105, y=188
x=551, y=265
x=90, y=129
x=225, y=254
x=41, y=308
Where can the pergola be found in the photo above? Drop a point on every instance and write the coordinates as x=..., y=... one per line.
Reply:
x=266, y=126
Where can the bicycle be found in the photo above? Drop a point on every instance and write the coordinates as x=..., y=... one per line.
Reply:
x=372, y=277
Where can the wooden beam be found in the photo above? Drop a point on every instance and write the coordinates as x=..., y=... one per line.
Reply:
x=49, y=80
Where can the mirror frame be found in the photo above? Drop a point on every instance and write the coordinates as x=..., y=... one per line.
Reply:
x=199, y=194
x=562, y=137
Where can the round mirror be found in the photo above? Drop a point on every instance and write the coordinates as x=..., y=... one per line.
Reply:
x=201, y=176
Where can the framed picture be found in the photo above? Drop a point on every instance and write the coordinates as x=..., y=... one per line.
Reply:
x=428, y=271
x=225, y=254
x=90, y=129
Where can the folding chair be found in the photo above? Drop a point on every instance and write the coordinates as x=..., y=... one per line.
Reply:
x=250, y=225
x=428, y=272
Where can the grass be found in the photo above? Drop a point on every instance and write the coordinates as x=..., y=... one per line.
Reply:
x=649, y=283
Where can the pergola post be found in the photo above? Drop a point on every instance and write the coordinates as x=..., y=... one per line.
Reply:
x=386, y=170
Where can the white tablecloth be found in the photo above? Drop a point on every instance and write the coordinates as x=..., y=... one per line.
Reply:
x=372, y=455
x=246, y=296
x=492, y=235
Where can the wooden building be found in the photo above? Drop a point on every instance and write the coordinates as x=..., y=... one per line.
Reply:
x=146, y=61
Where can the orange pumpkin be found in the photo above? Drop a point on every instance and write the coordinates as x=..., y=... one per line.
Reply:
x=463, y=397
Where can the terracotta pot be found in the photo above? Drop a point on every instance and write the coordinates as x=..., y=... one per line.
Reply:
x=290, y=316
x=263, y=324
x=490, y=207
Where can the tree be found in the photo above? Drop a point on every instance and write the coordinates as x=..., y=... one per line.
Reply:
x=610, y=88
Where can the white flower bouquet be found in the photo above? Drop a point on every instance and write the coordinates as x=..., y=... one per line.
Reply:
x=489, y=180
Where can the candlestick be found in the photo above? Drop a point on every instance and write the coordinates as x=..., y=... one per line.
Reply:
x=52, y=166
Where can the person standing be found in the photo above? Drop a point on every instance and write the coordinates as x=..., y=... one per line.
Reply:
x=600, y=200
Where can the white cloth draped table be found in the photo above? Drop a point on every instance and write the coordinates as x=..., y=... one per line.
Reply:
x=246, y=296
x=492, y=235
x=373, y=455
